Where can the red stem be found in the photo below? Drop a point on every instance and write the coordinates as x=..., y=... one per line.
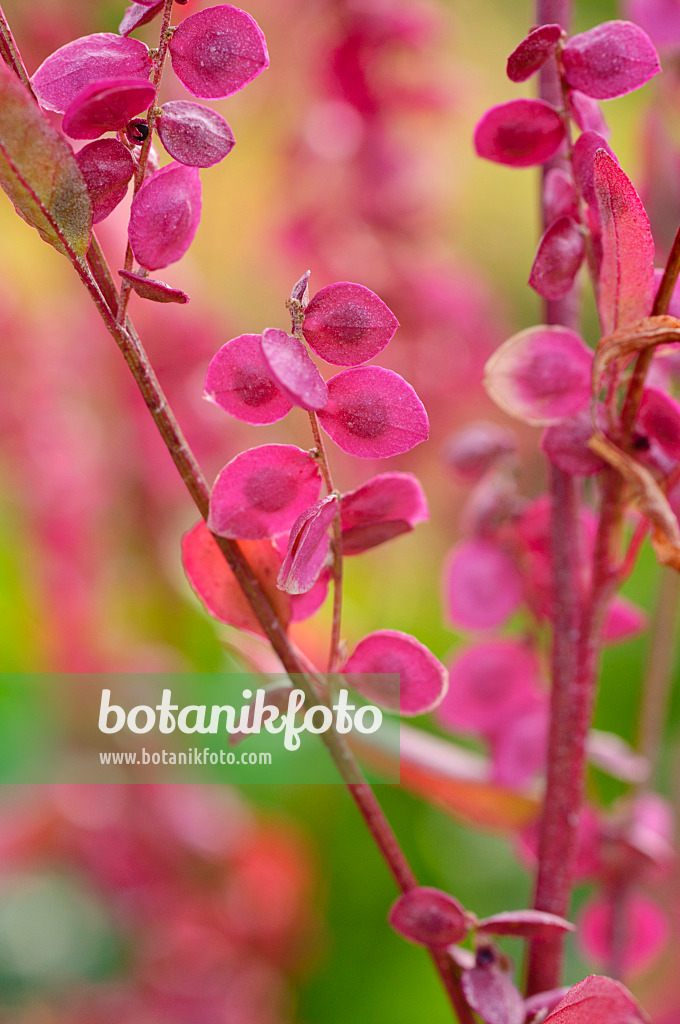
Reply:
x=569, y=697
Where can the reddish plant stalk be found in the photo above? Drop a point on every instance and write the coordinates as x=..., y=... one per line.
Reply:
x=96, y=276
x=566, y=741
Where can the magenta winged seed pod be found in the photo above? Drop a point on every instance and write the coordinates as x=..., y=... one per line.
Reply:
x=627, y=267
x=107, y=167
x=660, y=19
x=262, y=491
x=155, y=291
x=346, y=324
x=68, y=70
x=520, y=133
x=303, y=606
x=475, y=448
x=533, y=52
x=193, y=134
x=597, y=1000
x=429, y=917
x=293, y=370
x=524, y=923
x=583, y=162
x=422, y=680
x=491, y=992
x=559, y=257
x=587, y=113
x=541, y=375
x=384, y=507
x=566, y=445
x=610, y=60
x=241, y=383
x=308, y=547
x=217, y=51
x=106, y=105
x=137, y=15
x=518, y=750
x=559, y=195
x=373, y=413
x=165, y=215
x=482, y=585
x=488, y=684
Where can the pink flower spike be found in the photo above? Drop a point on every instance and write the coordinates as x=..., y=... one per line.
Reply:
x=346, y=324
x=193, y=134
x=520, y=133
x=645, y=927
x=475, y=448
x=541, y=375
x=155, y=291
x=585, y=148
x=566, y=445
x=72, y=67
x=384, y=507
x=491, y=993
x=627, y=267
x=291, y=367
x=533, y=52
x=598, y=1000
x=559, y=257
x=217, y=51
x=429, y=917
x=240, y=382
x=139, y=14
x=559, y=195
x=308, y=547
x=107, y=167
x=488, y=684
x=373, y=413
x=659, y=417
x=519, y=748
x=525, y=923
x=482, y=585
x=106, y=106
x=262, y=491
x=610, y=60
x=422, y=681
x=165, y=215
x=624, y=620
x=587, y=114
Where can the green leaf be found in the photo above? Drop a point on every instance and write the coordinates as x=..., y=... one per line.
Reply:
x=39, y=172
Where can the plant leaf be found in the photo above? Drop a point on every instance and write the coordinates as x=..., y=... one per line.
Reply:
x=627, y=269
x=39, y=171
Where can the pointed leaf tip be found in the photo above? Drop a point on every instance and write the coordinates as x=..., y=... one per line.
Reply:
x=627, y=268
x=39, y=171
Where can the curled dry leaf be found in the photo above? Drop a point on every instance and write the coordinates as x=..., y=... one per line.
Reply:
x=649, y=332
x=649, y=497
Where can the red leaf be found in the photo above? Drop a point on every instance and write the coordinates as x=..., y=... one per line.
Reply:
x=597, y=1000
x=627, y=270
x=218, y=588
